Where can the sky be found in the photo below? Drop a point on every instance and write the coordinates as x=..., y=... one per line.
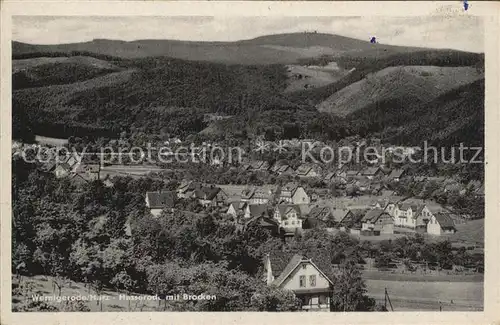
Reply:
x=461, y=33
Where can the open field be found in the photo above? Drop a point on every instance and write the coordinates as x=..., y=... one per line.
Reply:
x=429, y=296
x=50, y=141
x=435, y=276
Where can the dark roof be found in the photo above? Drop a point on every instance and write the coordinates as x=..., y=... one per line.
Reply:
x=396, y=173
x=285, y=208
x=160, y=200
x=263, y=221
x=64, y=166
x=303, y=169
x=329, y=176
x=354, y=218
x=445, y=220
x=292, y=264
x=207, y=193
x=188, y=186
x=91, y=168
x=415, y=208
x=372, y=215
x=370, y=171
x=321, y=213
x=339, y=214
x=258, y=210
x=313, y=222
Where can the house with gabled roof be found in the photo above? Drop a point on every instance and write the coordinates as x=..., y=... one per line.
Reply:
x=329, y=178
x=156, y=202
x=264, y=222
x=396, y=175
x=411, y=215
x=351, y=172
x=306, y=171
x=293, y=193
x=61, y=170
x=304, y=278
x=377, y=221
x=285, y=170
x=254, y=196
x=289, y=216
x=255, y=210
x=371, y=172
x=441, y=223
x=186, y=189
x=210, y=196
x=260, y=165
x=351, y=222
x=237, y=208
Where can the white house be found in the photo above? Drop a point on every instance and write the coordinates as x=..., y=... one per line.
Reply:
x=304, y=278
x=293, y=193
x=441, y=223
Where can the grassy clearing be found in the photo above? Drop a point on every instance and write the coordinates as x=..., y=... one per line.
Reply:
x=51, y=141
x=429, y=296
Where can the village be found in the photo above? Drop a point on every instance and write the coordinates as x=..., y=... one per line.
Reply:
x=366, y=202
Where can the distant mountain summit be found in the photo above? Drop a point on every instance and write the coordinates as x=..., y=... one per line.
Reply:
x=269, y=49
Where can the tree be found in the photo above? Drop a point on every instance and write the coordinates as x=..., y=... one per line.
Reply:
x=271, y=298
x=349, y=289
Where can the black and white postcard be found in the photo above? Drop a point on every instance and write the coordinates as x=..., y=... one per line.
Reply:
x=301, y=162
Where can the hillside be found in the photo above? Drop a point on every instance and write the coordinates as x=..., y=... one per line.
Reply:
x=453, y=117
x=272, y=49
x=141, y=94
x=44, y=71
x=420, y=83
x=102, y=88
x=362, y=66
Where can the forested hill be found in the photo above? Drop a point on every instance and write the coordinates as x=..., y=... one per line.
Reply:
x=270, y=49
x=78, y=93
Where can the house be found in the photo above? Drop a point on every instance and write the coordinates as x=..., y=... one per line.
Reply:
x=255, y=210
x=419, y=179
x=265, y=223
x=157, y=201
x=306, y=171
x=236, y=208
x=371, y=172
x=363, y=184
x=303, y=277
x=61, y=170
x=289, y=216
x=245, y=167
x=351, y=173
x=441, y=223
x=260, y=165
x=380, y=204
x=319, y=217
x=351, y=222
x=411, y=215
x=377, y=221
x=285, y=170
x=293, y=193
x=396, y=175
x=254, y=196
x=329, y=178
x=187, y=188
x=210, y=196
x=88, y=172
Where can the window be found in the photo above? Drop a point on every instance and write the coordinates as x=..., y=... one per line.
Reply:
x=312, y=280
x=286, y=223
x=302, y=281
